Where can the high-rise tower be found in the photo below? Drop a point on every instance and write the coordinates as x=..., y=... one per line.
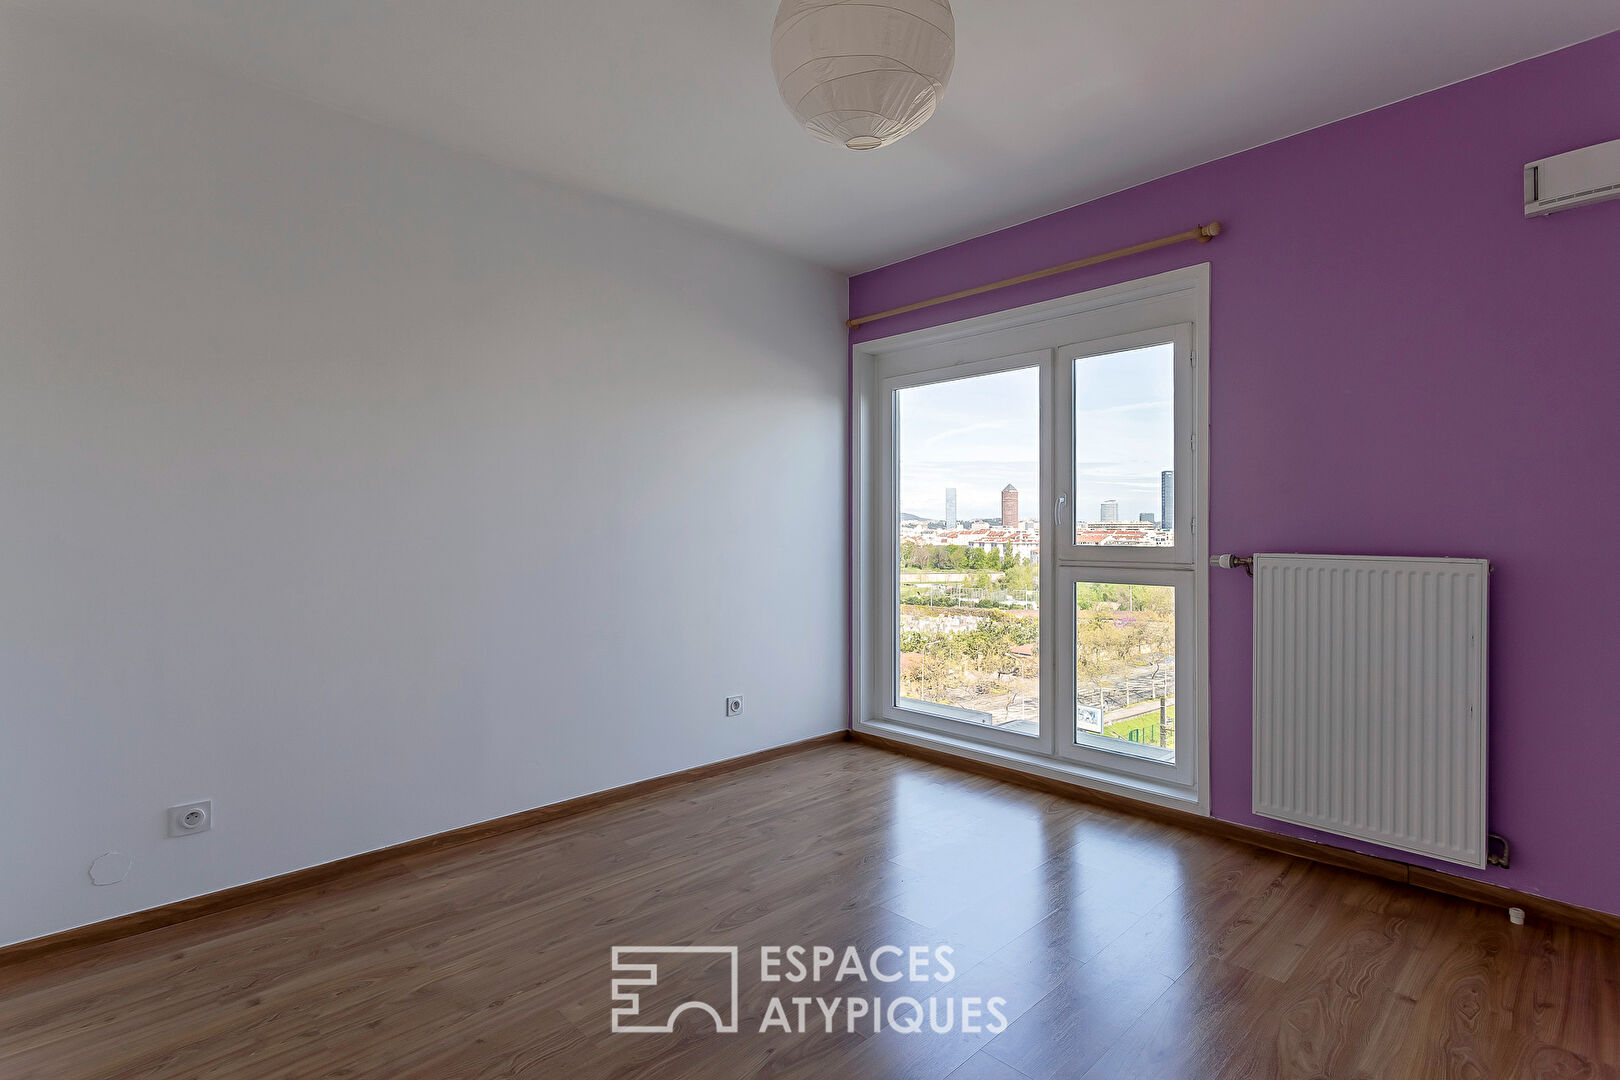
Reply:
x=1009, y=507
x=950, y=508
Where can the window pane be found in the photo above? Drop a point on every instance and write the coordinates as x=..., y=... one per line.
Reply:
x=1125, y=448
x=1125, y=669
x=969, y=549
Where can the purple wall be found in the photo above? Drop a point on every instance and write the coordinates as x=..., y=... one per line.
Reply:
x=1401, y=364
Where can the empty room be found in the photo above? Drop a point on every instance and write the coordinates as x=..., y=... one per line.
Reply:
x=898, y=540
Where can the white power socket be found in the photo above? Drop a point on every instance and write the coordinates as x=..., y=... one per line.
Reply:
x=734, y=706
x=191, y=818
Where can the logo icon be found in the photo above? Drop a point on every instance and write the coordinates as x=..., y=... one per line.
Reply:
x=628, y=999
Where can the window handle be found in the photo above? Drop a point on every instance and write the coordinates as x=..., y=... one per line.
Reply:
x=1057, y=509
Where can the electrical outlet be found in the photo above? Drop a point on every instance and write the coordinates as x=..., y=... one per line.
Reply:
x=190, y=818
x=734, y=706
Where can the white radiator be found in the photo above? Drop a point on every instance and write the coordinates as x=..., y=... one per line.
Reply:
x=1369, y=699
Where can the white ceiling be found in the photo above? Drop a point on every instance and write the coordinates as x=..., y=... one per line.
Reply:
x=671, y=103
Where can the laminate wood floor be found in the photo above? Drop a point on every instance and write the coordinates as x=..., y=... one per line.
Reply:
x=1123, y=949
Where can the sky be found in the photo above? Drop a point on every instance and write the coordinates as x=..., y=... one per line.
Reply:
x=981, y=433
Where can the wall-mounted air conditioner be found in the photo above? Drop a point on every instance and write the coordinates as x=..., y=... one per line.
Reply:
x=1578, y=178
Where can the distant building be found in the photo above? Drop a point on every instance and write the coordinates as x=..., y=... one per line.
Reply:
x=1125, y=533
x=1145, y=517
x=1167, y=499
x=950, y=508
x=1109, y=510
x=1009, y=507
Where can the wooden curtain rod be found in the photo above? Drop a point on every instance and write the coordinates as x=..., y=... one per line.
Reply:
x=1203, y=234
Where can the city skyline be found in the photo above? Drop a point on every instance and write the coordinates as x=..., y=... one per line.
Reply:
x=1107, y=513
x=976, y=435
x=981, y=433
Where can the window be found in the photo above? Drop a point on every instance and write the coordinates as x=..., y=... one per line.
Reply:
x=1124, y=447
x=1036, y=573
x=968, y=617
x=1125, y=668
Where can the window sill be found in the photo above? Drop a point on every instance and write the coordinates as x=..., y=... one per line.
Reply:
x=1130, y=787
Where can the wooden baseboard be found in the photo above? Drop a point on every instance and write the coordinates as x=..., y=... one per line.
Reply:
x=382, y=862
x=387, y=861
x=1388, y=869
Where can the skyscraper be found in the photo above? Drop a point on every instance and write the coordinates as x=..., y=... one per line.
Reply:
x=1009, y=507
x=1109, y=510
x=1148, y=517
x=1167, y=499
x=950, y=508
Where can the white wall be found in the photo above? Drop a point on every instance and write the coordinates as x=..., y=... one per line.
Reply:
x=372, y=489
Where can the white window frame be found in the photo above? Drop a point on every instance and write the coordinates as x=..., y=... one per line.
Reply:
x=1109, y=755
x=1179, y=336
x=921, y=714
x=1136, y=310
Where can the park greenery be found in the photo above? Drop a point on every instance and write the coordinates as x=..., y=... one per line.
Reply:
x=1144, y=728
x=1124, y=643
x=1119, y=628
x=917, y=556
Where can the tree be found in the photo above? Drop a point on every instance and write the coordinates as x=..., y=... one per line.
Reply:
x=1020, y=575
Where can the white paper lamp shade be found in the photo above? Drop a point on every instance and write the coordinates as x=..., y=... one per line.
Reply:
x=863, y=74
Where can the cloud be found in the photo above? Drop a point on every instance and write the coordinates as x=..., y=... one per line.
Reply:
x=965, y=429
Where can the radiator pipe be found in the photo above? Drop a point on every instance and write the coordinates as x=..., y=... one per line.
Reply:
x=1231, y=562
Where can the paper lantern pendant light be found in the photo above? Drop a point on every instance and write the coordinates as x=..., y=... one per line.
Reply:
x=863, y=74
